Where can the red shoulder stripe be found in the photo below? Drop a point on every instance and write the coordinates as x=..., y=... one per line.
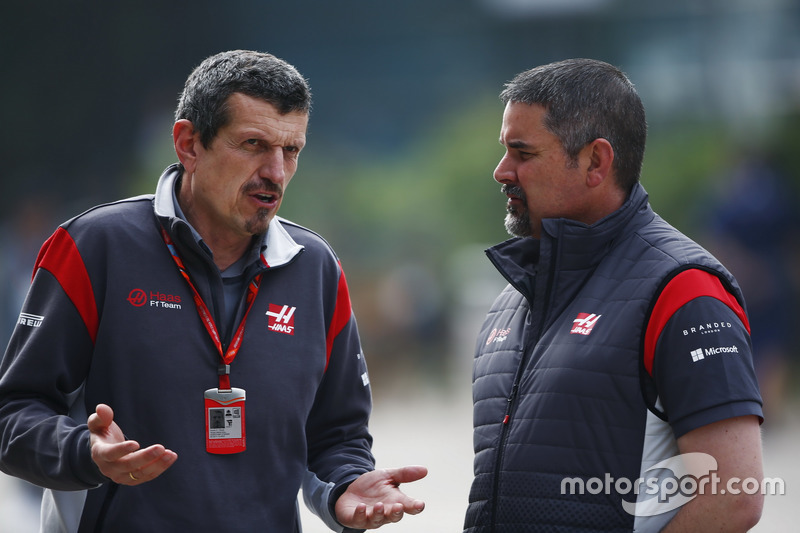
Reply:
x=341, y=314
x=60, y=256
x=681, y=289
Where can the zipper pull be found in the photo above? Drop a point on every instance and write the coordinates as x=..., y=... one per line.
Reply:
x=510, y=400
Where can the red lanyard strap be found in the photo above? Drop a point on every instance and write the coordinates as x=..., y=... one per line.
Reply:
x=229, y=355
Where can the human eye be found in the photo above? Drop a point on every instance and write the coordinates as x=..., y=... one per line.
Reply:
x=292, y=151
x=521, y=151
x=252, y=145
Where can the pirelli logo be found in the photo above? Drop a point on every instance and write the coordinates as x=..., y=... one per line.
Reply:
x=27, y=319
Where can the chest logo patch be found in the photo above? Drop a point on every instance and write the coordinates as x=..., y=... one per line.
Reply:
x=498, y=335
x=280, y=318
x=584, y=323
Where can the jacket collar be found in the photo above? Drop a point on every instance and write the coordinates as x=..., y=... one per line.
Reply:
x=277, y=246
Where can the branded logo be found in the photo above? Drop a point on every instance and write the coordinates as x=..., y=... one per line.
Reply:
x=365, y=374
x=706, y=328
x=584, y=323
x=27, y=319
x=139, y=297
x=700, y=354
x=281, y=318
x=498, y=335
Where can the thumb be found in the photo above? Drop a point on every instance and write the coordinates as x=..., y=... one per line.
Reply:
x=407, y=474
x=102, y=418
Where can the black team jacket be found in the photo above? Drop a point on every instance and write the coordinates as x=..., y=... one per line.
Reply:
x=109, y=319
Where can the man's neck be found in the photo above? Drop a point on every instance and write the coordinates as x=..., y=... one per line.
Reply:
x=227, y=254
x=225, y=248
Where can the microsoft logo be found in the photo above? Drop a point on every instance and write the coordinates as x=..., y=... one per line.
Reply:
x=700, y=354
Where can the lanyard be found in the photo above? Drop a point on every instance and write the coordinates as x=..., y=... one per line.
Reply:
x=228, y=356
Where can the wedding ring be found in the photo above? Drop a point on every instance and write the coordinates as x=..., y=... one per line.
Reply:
x=133, y=478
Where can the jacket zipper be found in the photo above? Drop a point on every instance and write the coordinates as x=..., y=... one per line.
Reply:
x=504, y=433
x=512, y=397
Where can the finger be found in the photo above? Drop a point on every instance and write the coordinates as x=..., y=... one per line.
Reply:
x=407, y=474
x=360, y=515
x=117, y=461
x=416, y=507
x=153, y=469
x=141, y=459
x=111, y=453
x=396, y=513
x=378, y=514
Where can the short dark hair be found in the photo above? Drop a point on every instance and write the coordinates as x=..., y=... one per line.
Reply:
x=586, y=100
x=204, y=101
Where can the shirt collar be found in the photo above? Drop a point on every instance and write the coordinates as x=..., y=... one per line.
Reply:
x=252, y=255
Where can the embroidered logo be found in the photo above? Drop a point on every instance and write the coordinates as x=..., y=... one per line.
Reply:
x=498, y=335
x=700, y=354
x=281, y=318
x=27, y=319
x=137, y=297
x=706, y=328
x=140, y=298
x=584, y=323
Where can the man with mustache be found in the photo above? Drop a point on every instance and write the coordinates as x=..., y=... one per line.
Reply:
x=221, y=335
x=621, y=395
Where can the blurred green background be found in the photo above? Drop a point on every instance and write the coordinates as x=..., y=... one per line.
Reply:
x=397, y=173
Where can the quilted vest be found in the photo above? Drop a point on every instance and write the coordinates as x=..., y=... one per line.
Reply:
x=557, y=391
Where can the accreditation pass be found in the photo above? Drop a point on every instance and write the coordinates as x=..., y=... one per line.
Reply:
x=225, y=420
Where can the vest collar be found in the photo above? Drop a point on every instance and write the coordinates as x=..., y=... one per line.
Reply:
x=568, y=245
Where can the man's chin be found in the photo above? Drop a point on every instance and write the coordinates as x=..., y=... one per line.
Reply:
x=259, y=224
x=518, y=226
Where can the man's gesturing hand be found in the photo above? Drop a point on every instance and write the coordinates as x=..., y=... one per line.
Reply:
x=119, y=459
x=374, y=499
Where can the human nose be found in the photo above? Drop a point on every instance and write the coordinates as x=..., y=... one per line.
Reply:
x=504, y=172
x=273, y=166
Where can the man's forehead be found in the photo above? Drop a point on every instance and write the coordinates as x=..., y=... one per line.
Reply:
x=522, y=124
x=255, y=113
x=240, y=102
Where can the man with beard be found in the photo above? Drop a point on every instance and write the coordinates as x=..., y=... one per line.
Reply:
x=221, y=335
x=621, y=395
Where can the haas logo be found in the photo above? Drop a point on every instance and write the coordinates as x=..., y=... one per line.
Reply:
x=281, y=318
x=584, y=323
x=137, y=297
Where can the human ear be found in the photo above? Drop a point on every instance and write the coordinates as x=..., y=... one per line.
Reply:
x=601, y=157
x=185, y=139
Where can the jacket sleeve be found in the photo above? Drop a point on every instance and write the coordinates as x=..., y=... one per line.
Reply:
x=43, y=372
x=339, y=442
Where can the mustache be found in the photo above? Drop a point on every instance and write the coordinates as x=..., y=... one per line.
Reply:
x=514, y=190
x=262, y=186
